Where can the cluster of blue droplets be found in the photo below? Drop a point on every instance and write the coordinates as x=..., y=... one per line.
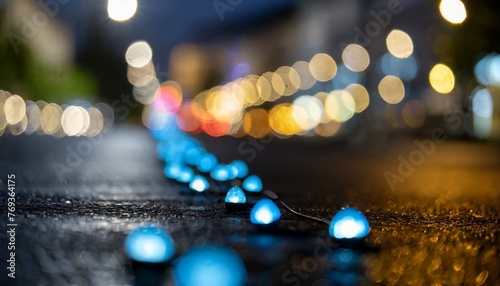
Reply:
x=187, y=161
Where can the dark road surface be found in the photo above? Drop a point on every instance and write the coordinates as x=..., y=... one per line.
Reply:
x=435, y=221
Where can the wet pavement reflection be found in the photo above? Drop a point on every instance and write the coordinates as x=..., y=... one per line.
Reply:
x=439, y=227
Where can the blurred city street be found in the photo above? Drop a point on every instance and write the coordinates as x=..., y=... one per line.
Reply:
x=234, y=143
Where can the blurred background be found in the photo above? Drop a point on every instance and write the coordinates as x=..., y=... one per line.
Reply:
x=353, y=71
x=333, y=103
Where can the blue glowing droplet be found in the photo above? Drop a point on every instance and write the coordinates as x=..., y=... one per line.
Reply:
x=186, y=175
x=236, y=195
x=265, y=211
x=252, y=184
x=210, y=266
x=207, y=162
x=232, y=172
x=220, y=173
x=149, y=244
x=241, y=168
x=173, y=170
x=349, y=223
x=199, y=184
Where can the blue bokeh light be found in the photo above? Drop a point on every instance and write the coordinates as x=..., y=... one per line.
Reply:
x=149, y=244
x=349, y=223
x=241, y=168
x=199, y=184
x=265, y=211
x=168, y=151
x=173, y=170
x=487, y=70
x=406, y=69
x=210, y=266
x=345, y=77
x=236, y=195
x=241, y=70
x=193, y=155
x=252, y=184
x=207, y=162
x=186, y=174
x=220, y=173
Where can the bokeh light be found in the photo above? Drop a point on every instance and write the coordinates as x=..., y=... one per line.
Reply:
x=169, y=98
x=399, y=44
x=355, y=57
x=482, y=107
x=328, y=129
x=256, y=123
x=406, y=69
x=135, y=74
x=50, y=118
x=306, y=78
x=322, y=98
x=75, y=121
x=264, y=88
x=241, y=70
x=3, y=120
x=220, y=173
x=33, y=116
x=277, y=86
x=345, y=77
x=414, y=113
x=108, y=115
x=453, y=11
x=15, y=109
x=442, y=79
x=391, y=89
x=289, y=78
x=487, y=70
x=224, y=105
x=199, y=183
x=210, y=266
x=307, y=111
x=146, y=90
x=281, y=120
x=150, y=244
x=121, y=10
x=250, y=90
x=96, y=122
x=339, y=105
x=359, y=95
x=139, y=53
x=19, y=127
x=322, y=67
x=186, y=119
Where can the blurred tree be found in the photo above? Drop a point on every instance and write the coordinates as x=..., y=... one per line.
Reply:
x=21, y=72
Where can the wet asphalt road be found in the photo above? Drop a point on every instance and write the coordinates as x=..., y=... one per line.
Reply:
x=435, y=221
